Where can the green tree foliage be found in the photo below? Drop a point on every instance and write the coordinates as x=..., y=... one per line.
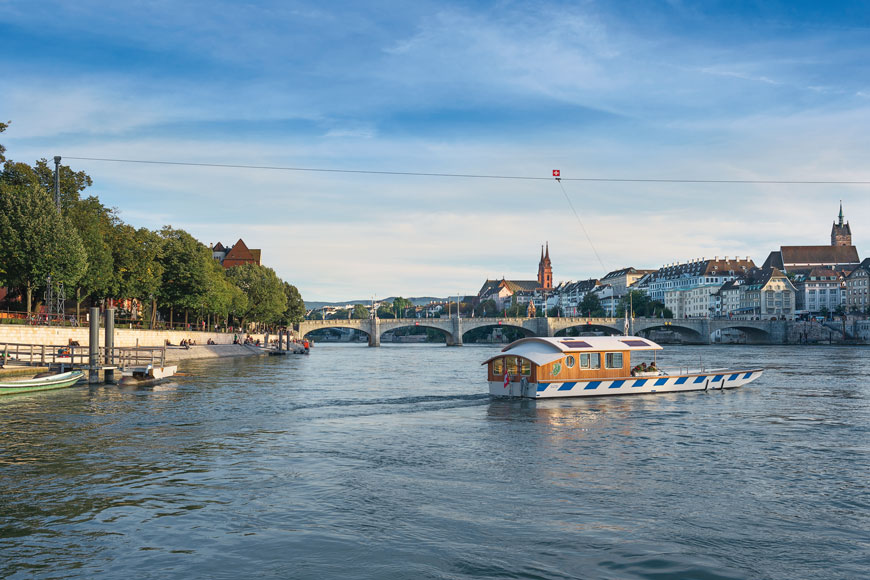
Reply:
x=3, y=127
x=72, y=183
x=641, y=304
x=137, y=258
x=386, y=311
x=95, y=226
x=222, y=296
x=264, y=291
x=360, y=312
x=591, y=306
x=186, y=265
x=400, y=305
x=486, y=308
x=295, y=310
x=35, y=241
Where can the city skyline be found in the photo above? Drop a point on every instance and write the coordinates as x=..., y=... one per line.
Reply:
x=658, y=90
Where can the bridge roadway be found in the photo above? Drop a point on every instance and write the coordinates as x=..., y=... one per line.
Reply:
x=691, y=330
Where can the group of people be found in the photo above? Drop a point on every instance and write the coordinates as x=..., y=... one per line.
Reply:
x=644, y=368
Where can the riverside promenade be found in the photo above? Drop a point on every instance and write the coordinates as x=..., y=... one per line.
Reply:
x=125, y=338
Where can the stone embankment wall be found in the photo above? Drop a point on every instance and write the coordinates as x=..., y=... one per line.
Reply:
x=51, y=335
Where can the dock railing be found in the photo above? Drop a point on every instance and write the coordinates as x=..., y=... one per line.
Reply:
x=76, y=356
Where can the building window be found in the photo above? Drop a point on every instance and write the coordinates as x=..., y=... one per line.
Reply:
x=569, y=361
x=525, y=367
x=613, y=360
x=512, y=365
x=498, y=366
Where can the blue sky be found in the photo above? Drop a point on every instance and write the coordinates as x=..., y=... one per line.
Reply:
x=635, y=89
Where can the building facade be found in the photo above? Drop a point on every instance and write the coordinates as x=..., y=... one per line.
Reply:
x=695, y=273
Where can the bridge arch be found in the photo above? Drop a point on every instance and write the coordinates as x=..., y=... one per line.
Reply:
x=516, y=330
x=587, y=329
x=385, y=328
x=659, y=332
x=750, y=334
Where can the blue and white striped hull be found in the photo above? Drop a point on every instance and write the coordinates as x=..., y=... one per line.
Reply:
x=700, y=381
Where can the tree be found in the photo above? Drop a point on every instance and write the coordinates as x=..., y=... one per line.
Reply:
x=295, y=310
x=591, y=306
x=94, y=224
x=486, y=308
x=640, y=304
x=3, y=127
x=72, y=183
x=386, y=311
x=400, y=305
x=137, y=259
x=35, y=240
x=186, y=263
x=360, y=312
x=264, y=291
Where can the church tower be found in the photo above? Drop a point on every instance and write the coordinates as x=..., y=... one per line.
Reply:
x=841, y=234
x=545, y=269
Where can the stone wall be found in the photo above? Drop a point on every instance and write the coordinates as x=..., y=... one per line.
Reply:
x=49, y=335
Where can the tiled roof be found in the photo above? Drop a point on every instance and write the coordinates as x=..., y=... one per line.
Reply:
x=818, y=255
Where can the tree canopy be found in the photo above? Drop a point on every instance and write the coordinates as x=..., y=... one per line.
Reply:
x=87, y=247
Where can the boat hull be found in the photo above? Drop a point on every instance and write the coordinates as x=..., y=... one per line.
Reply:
x=700, y=381
x=59, y=381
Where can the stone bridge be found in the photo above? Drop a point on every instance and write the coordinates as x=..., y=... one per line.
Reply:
x=690, y=330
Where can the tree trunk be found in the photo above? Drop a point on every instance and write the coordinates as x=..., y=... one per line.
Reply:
x=185, y=319
x=170, y=317
x=29, y=297
x=78, y=303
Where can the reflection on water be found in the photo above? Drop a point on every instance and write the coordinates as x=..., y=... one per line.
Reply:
x=392, y=462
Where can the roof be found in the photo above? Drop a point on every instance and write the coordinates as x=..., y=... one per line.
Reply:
x=542, y=350
x=625, y=272
x=239, y=254
x=219, y=247
x=818, y=255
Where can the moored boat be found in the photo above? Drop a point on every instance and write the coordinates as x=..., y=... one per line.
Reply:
x=46, y=383
x=148, y=375
x=589, y=366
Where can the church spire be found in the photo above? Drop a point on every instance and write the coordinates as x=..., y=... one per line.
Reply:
x=841, y=212
x=547, y=257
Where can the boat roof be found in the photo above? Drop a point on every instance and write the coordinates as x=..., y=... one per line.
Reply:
x=542, y=350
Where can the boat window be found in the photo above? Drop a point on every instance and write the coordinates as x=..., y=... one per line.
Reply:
x=613, y=360
x=584, y=360
x=525, y=367
x=512, y=365
x=569, y=361
x=594, y=360
x=498, y=366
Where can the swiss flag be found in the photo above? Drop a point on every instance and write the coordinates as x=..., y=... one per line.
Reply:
x=556, y=173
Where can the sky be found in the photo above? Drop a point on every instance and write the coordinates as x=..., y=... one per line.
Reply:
x=701, y=90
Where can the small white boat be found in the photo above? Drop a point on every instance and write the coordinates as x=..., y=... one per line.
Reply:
x=45, y=383
x=148, y=375
x=590, y=366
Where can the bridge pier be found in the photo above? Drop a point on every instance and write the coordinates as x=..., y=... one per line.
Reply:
x=374, y=332
x=455, y=338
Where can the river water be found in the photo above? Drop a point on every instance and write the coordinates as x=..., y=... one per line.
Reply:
x=356, y=462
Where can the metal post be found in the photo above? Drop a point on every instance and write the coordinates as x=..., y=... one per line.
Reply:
x=57, y=182
x=109, y=374
x=94, y=347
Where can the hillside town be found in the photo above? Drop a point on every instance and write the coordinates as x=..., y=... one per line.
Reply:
x=793, y=282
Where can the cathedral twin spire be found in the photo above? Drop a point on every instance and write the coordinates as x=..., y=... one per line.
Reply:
x=545, y=269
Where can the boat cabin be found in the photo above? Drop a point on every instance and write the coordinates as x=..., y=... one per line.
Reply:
x=549, y=359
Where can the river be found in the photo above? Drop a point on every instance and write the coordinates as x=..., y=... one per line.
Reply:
x=391, y=462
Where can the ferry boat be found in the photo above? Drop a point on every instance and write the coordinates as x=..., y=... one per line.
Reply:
x=589, y=366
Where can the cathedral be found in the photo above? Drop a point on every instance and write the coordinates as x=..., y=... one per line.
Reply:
x=502, y=290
